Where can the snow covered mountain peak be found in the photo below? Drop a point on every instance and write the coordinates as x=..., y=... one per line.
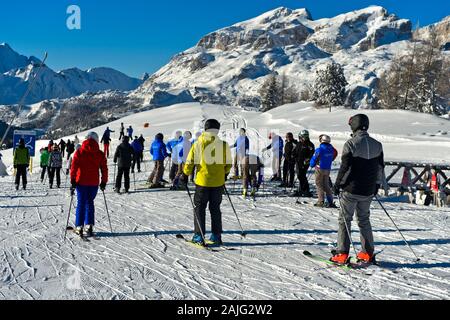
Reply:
x=229, y=66
x=9, y=59
x=16, y=71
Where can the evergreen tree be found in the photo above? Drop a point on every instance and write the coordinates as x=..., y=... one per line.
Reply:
x=270, y=94
x=329, y=86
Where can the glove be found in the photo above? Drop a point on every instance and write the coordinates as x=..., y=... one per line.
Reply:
x=67, y=172
x=336, y=189
x=103, y=186
x=72, y=190
x=377, y=187
x=183, y=178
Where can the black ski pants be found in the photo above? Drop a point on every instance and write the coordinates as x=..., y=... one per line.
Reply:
x=203, y=197
x=21, y=172
x=51, y=176
x=125, y=172
x=288, y=172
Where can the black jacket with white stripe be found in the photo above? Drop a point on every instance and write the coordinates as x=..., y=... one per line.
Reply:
x=362, y=165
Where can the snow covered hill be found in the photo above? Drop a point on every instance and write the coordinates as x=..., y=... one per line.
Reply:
x=228, y=66
x=16, y=71
x=142, y=259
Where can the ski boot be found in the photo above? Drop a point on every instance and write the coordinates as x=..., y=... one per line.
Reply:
x=365, y=257
x=156, y=185
x=117, y=190
x=319, y=204
x=307, y=194
x=340, y=258
x=88, y=230
x=17, y=187
x=79, y=231
x=24, y=187
x=253, y=192
x=331, y=205
x=198, y=239
x=297, y=194
x=215, y=240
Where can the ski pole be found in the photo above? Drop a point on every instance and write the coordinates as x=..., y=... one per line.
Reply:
x=114, y=176
x=134, y=181
x=243, y=234
x=347, y=226
x=195, y=214
x=107, y=211
x=68, y=215
x=398, y=229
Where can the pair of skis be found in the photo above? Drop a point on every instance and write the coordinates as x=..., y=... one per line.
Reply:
x=209, y=246
x=348, y=266
x=83, y=237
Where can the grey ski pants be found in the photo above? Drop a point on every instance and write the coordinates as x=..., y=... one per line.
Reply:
x=351, y=203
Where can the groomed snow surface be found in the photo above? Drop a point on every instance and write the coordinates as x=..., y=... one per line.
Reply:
x=142, y=259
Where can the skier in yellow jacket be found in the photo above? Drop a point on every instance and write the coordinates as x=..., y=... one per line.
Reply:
x=212, y=158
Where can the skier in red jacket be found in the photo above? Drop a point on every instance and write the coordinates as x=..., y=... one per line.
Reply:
x=85, y=179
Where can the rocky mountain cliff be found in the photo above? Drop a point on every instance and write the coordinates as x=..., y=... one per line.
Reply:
x=228, y=66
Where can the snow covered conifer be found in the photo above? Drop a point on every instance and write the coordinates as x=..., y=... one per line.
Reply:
x=329, y=86
x=270, y=94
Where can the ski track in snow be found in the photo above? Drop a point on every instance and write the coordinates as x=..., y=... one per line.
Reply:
x=142, y=259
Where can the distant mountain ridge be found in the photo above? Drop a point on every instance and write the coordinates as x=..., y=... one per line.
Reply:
x=17, y=70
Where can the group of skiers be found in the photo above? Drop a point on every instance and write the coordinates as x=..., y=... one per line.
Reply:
x=207, y=161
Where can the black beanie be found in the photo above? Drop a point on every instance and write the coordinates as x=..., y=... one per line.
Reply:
x=212, y=124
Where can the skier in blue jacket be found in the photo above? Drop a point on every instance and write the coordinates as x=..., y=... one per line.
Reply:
x=159, y=153
x=130, y=132
x=138, y=149
x=242, y=146
x=322, y=161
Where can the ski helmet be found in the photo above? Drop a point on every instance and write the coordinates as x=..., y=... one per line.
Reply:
x=92, y=135
x=304, y=134
x=325, y=138
x=77, y=147
x=212, y=124
x=359, y=122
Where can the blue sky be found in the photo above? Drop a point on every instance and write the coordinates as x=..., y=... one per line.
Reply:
x=137, y=36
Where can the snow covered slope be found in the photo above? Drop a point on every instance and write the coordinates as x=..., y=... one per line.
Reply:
x=142, y=259
x=16, y=71
x=406, y=135
x=228, y=66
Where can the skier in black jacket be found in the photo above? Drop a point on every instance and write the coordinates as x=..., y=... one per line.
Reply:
x=289, y=161
x=359, y=177
x=302, y=154
x=124, y=158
